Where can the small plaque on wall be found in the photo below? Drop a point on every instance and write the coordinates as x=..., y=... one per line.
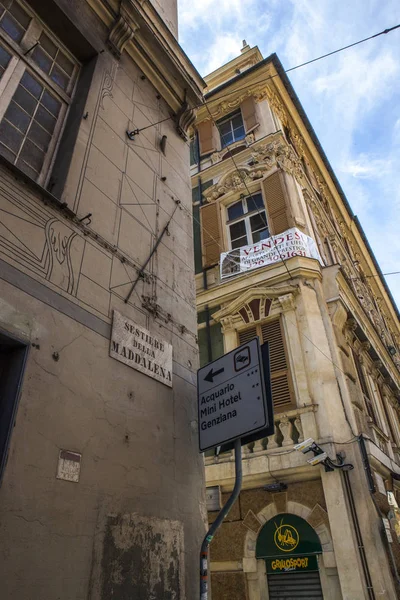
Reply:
x=213, y=498
x=69, y=466
x=136, y=347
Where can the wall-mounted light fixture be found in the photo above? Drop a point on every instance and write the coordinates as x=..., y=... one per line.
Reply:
x=321, y=457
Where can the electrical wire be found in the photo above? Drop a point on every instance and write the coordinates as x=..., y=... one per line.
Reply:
x=261, y=214
x=313, y=60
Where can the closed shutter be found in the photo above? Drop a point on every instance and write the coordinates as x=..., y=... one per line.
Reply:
x=247, y=335
x=281, y=382
x=248, y=108
x=276, y=201
x=282, y=394
x=206, y=138
x=211, y=232
x=295, y=586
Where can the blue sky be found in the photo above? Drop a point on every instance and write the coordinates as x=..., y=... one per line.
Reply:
x=352, y=98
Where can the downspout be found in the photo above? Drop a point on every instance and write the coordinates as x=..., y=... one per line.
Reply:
x=208, y=329
x=357, y=530
x=372, y=489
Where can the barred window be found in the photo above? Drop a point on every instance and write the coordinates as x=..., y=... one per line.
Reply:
x=37, y=79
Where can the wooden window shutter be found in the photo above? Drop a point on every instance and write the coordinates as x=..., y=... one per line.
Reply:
x=281, y=383
x=249, y=114
x=247, y=335
x=211, y=234
x=276, y=201
x=206, y=137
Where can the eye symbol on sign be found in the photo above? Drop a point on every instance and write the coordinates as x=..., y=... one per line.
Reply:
x=242, y=358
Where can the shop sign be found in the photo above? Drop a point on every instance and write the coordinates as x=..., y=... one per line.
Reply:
x=136, y=347
x=292, y=564
x=291, y=242
x=285, y=535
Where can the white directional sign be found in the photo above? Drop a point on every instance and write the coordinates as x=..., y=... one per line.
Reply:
x=231, y=396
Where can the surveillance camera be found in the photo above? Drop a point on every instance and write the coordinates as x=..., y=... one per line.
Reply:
x=304, y=446
x=315, y=460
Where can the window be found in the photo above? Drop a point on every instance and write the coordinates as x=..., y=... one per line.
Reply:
x=12, y=363
x=246, y=222
x=231, y=129
x=37, y=79
x=365, y=389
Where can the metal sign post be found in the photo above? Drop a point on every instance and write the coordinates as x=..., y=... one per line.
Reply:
x=218, y=521
x=235, y=407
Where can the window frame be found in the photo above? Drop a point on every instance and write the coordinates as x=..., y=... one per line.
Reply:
x=228, y=119
x=22, y=62
x=246, y=217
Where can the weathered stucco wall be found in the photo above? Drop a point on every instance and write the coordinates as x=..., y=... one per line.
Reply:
x=131, y=526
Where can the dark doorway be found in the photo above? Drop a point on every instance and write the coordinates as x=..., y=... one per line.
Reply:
x=13, y=355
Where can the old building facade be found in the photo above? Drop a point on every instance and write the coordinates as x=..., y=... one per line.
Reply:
x=280, y=255
x=102, y=491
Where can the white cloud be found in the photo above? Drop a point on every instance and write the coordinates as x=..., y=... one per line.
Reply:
x=367, y=167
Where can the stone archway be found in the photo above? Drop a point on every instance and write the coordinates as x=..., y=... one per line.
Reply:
x=254, y=569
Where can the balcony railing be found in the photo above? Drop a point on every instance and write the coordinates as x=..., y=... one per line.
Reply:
x=291, y=428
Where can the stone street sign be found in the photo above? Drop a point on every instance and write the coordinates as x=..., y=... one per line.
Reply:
x=140, y=349
x=231, y=396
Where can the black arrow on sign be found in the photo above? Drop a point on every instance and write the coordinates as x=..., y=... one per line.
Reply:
x=211, y=374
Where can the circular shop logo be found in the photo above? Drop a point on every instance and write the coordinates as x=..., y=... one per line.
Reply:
x=286, y=537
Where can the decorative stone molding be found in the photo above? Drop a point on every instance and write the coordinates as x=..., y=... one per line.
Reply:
x=217, y=157
x=287, y=302
x=122, y=31
x=184, y=120
x=234, y=314
x=265, y=157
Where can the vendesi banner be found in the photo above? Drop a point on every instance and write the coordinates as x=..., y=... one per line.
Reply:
x=291, y=242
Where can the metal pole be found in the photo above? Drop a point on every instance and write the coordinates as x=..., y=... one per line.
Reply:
x=218, y=521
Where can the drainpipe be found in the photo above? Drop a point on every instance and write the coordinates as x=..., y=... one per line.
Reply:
x=357, y=530
x=372, y=490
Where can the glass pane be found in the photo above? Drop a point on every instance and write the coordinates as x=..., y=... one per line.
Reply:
x=262, y=234
x=10, y=26
x=4, y=57
x=51, y=103
x=40, y=136
x=5, y=3
x=59, y=77
x=42, y=59
x=48, y=45
x=31, y=84
x=18, y=117
x=237, y=121
x=27, y=169
x=235, y=210
x=25, y=99
x=254, y=202
x=32, y=155
x=7, y=153
x=10, y=137
x=65, y=63
x=226, y=139
x=237, y=230
x=45, y=119
x=20, y=15
x=239, y=242
x=225, y=127
x=258, y=222
x=239, y=133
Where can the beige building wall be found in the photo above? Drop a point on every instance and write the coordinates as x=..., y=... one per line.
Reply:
x=102, y=494
x=333, y=334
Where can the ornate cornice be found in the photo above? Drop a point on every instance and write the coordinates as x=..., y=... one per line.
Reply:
x=264, y=158
x=122, y=31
